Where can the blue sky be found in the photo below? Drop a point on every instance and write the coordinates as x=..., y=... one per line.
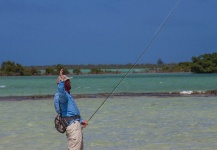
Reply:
x=49, y=32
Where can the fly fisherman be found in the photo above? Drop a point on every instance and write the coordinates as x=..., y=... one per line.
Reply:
x=70, y=113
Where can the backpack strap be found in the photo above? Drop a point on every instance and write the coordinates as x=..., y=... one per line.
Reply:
x=63, y=119
x=60, y=109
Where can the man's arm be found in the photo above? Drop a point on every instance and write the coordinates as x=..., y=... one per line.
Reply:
x=61, y=89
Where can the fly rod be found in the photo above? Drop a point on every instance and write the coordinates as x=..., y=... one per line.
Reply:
x=149, y=45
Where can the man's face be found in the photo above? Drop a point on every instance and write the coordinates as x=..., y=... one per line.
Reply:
x=67, y=85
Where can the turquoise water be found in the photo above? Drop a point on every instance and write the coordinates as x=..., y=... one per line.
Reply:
x=123, y=123
x=94, y=84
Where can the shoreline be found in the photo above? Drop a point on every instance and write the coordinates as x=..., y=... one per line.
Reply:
x=211, y=93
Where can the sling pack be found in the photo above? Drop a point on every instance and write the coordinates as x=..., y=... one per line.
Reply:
x=59, y=122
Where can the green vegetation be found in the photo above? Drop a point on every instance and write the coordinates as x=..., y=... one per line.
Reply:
x=206, y=63
x=9, y=68
x=180, y=67
x=77, y=71
x=160, y=62
x=96, y=71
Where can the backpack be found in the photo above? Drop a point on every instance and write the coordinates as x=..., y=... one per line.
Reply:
x=59, y=122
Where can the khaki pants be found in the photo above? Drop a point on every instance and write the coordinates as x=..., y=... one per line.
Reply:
x=74, y=136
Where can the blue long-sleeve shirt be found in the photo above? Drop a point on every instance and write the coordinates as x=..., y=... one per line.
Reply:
x=66, y=102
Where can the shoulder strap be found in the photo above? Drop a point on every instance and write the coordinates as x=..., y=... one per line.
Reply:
x=60, y=109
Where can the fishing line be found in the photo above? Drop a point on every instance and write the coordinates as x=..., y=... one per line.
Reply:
x=149, y=45
x=170, y=13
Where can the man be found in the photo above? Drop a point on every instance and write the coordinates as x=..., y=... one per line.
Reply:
x=70, y=113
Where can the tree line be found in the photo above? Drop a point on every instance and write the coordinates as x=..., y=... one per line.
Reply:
x=206, y=63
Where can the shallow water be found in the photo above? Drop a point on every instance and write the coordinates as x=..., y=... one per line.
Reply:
x=151, y=123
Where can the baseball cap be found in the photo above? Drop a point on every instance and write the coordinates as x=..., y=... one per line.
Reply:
x=64, y=79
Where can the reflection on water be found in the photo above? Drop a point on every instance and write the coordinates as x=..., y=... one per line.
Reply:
x=174, y=123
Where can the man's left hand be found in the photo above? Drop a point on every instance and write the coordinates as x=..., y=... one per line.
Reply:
x=84, y=123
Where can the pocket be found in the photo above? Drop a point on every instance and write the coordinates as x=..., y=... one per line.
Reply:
x=74, y=126
x=73, y=132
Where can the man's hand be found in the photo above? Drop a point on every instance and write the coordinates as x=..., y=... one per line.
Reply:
x=61, y=74
x=84, y=123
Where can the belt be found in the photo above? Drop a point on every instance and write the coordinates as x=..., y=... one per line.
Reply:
x=68, y=119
